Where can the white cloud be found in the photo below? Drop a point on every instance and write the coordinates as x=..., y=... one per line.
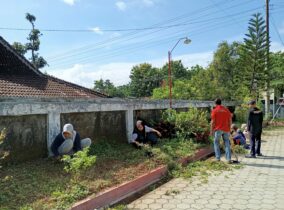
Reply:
x=85, y=75
x=97, y=30
x=70, y=2
x=118, y=73
x=276, y=46
x=121, y=5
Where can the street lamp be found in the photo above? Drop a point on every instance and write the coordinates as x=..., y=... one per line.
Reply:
x=186, y=41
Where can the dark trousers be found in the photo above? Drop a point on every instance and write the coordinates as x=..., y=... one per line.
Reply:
x=255, y=143
x=150, y=137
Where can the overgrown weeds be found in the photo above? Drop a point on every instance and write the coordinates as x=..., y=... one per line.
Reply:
x=44, y=184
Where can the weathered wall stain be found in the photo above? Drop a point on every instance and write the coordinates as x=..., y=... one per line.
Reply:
x=25, y=137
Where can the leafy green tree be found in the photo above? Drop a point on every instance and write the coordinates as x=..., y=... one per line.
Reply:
x=225, y=69
x=108, y=88
x=20, y=48
x=253, y=55
x=123, y=91
x=144, y=78
x=178, y=71
x=194, y=70
x=277, y=64
x=32, y=45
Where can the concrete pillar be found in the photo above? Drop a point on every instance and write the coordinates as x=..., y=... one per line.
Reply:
x=129, y=123
x=53, y=128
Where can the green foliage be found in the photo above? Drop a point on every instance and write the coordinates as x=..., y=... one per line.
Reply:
x=178, y=71
x=192, y=123
x=203, y=169
x=3, y=153
x=65, y=197
x=253, y=55
x=21, y=49
x=79, y=162
x=239, y=149
x=118, y=207
x=33, y=44
x=144, y=78
x=241, y=113
x=225, y=69
x=277, y=72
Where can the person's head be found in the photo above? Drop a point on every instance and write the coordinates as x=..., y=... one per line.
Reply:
x=68, y=131
x=218, y=101
x=244, y=127
x=234, y=127
x=139, y=125
x=252, y=103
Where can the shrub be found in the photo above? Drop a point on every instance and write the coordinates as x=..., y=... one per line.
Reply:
x=79, y=162
x=192, y=123
x=241, y=113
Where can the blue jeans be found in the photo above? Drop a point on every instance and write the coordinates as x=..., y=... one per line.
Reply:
x=217, y=136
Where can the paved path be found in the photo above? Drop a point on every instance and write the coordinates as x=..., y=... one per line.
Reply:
x=259, y=185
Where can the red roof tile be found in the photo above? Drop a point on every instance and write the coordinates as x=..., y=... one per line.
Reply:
x=19, y=78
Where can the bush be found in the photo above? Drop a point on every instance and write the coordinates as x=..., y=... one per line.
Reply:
x=79, y=162
x=190, y=124
x=241, y=113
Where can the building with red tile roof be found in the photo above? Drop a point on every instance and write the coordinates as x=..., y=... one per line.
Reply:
x=19, y=78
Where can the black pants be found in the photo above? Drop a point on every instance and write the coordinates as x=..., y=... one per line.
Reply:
x=255, y=143
x=150, y=137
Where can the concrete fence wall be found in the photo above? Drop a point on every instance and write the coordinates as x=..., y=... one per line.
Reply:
x=32, y=124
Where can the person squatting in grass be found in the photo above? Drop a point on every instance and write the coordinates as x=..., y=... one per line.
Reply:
x=142, y=134
x=238, y=136
x=68, y=142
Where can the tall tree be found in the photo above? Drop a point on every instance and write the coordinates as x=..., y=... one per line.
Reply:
x=253, y=55
x=144, y=78
x=108, y=88
x=32, y=45
x=277, y=73
x=178, y=70
x=226, y=70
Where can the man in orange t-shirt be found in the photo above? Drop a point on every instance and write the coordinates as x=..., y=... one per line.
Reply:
x=221, y=120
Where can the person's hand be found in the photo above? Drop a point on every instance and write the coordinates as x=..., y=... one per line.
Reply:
x=139, y=144
x=159, y=134
x=58, y=158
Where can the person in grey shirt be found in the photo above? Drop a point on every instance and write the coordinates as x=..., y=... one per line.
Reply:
x=142, y=134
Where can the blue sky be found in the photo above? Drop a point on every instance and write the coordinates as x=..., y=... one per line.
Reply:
x=110, y=36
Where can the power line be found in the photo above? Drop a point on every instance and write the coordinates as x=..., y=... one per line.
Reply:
x=277, y=32
x=204, y=21
x=100, y=58
x=118, y=39
x=200, y=30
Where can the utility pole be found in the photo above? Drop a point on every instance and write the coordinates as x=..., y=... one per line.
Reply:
x=267, y=104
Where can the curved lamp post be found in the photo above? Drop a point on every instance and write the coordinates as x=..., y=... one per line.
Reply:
x=186, y=41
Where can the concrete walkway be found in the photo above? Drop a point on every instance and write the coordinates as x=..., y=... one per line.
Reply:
x=259, y=185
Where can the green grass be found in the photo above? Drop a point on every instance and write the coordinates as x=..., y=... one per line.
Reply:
x=203, y=169
x=43, y=184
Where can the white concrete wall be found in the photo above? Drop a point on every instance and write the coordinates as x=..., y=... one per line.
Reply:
x=54, y=107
